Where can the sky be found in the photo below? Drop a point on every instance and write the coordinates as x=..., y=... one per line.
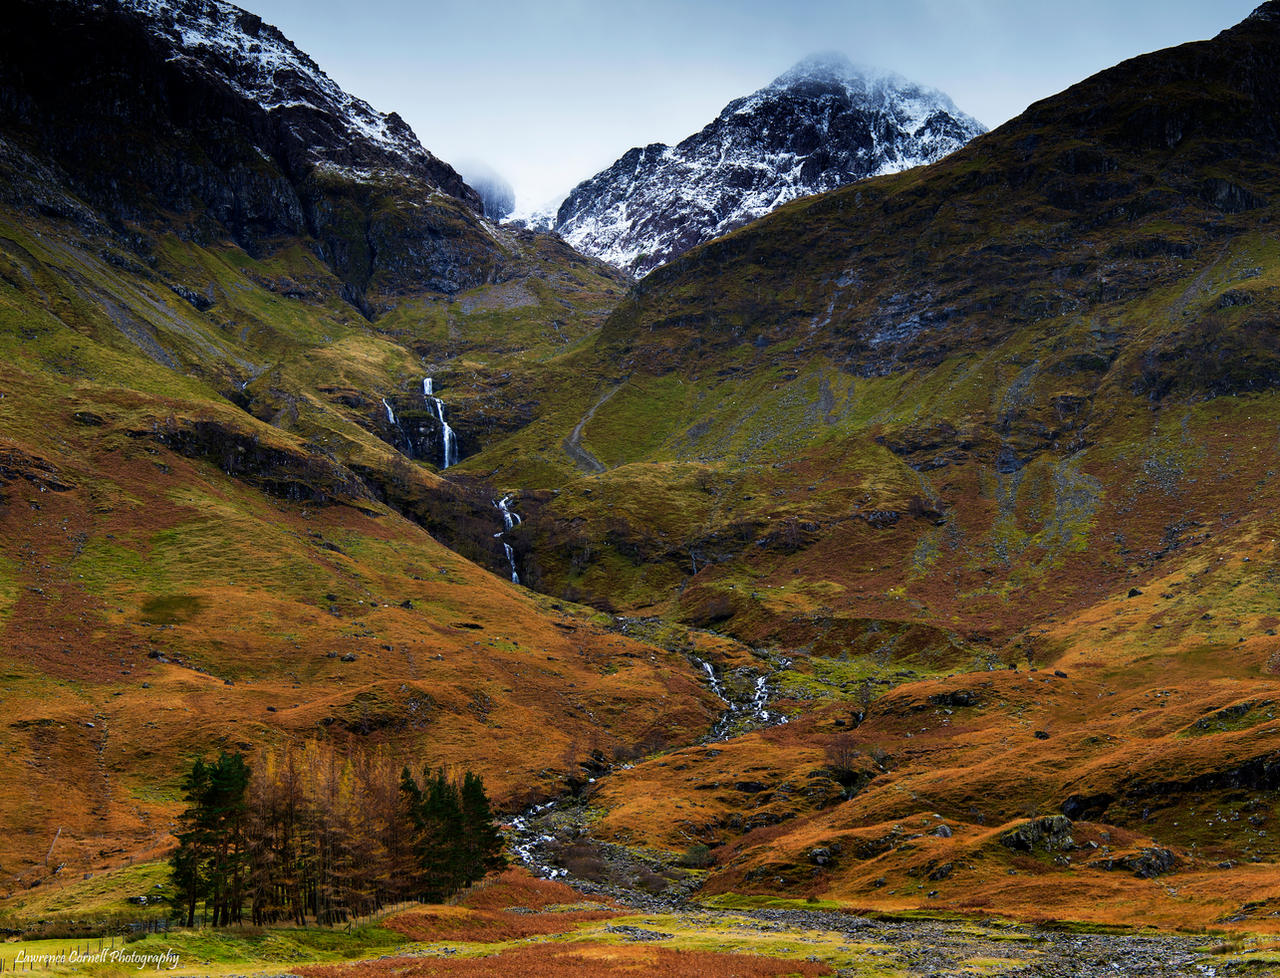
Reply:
x=548, y=93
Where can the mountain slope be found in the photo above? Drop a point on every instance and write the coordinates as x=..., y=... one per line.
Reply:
x=150, y=108
x=899, y=359
x=223, y=284
x=819, y=126
x=1017, y=409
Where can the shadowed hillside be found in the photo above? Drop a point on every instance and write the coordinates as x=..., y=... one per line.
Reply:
x=968, y=471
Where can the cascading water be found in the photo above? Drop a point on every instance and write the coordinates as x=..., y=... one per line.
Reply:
x=509, y=519
x=531, y=842
x=449, y=452
x=399, y=438
x=761, y=699
x=713, y=680
x=753, y=711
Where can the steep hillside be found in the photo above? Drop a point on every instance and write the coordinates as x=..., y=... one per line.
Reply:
x=966, y=471
x=1013, y=410
x=820, y=125
x=984, y=366
x=224, y=284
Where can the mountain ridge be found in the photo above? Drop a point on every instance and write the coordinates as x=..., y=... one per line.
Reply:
x=257, y=61
x=821, y=124
x=199, y=108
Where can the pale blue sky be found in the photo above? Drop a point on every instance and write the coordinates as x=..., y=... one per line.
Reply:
x=548, y=93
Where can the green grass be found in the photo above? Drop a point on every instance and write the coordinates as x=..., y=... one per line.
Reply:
x=737, y=901
x=825, y=678
x=229, y=951
x=1240, y=716
x=729, y=934
x=104, y=894
x=275, y=945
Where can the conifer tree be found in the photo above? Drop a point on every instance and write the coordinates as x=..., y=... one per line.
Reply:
x=210, y=862
x=482, y=843
x=316, y=832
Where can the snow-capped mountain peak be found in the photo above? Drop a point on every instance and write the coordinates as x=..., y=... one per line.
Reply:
x=823, y=123
x=256, y=62
x=831, y=67
x=877, y=88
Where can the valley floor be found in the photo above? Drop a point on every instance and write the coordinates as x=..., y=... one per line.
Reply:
x=519, y=925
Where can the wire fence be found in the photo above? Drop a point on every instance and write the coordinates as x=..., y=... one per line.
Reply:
x=114, y=932
x=84, y=949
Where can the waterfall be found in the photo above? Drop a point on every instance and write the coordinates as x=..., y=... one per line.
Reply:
x=760, y=700
x=532, y=842
x=447, y=437
x=713, y=680
x=751, y=712
x=509, y=519
x=398, y=436
x=450, y=440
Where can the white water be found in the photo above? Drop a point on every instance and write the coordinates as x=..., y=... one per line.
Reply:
x=391, y=415
x=526, y=841
x=509, y=520
x=754, y=711
x=713, y=680
x=760, y=700
x=449, y=454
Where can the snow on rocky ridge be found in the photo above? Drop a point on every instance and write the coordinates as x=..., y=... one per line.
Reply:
x=335, y=129
x=822, y=124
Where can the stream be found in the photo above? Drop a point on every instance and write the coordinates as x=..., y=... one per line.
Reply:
x=543, y=838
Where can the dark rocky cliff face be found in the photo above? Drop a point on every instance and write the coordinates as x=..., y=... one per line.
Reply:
x=200, y=110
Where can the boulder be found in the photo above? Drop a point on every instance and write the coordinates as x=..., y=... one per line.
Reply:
x=1049, y=834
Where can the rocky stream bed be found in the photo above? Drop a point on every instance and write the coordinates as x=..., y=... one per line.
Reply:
x=548, y=839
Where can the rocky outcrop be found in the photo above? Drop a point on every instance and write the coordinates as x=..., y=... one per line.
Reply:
x=43, y=475
x=275, y=467
x=1145, y=863
x=1049, y=834
x=147, y=109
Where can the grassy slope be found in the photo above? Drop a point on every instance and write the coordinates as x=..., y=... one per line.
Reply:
x=1005, y=393
x=179, y=576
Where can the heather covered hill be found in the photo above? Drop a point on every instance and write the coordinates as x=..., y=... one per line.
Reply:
x=1016, y=409
x=967, y=472
x=224, y=285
